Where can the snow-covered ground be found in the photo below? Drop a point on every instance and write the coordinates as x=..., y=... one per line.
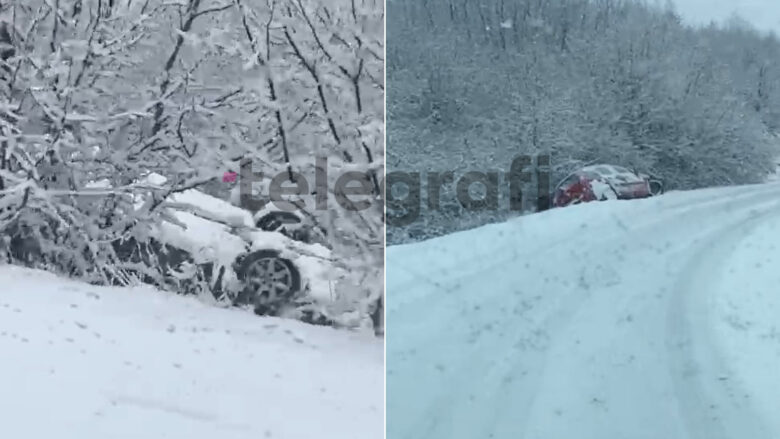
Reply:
x=648, y=319
x=81, y=362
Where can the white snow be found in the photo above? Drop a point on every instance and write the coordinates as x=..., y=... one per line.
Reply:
x=645, y=319
x=217, y=209
x=602, y=190
x=211, y=241
x=197, y=232
x=81, y=362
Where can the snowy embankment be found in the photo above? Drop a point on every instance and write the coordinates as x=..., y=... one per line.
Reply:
x=647, y=319
x=81, y=362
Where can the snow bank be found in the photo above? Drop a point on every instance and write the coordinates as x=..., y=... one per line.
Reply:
x=85, y=362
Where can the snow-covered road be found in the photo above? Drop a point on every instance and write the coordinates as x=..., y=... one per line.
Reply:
x=649, y=319
x=84, y=362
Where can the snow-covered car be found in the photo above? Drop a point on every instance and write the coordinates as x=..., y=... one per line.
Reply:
x=240, y=258
x=276, y=262
x=604, y=182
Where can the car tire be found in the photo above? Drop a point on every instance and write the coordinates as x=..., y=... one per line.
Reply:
x=270, y=282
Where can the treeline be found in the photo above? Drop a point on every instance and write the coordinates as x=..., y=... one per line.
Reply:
x=474, y=84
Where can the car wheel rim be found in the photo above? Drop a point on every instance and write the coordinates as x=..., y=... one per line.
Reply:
x=270, y=278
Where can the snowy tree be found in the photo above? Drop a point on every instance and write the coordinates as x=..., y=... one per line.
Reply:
x=478, y=83
x=98, y=94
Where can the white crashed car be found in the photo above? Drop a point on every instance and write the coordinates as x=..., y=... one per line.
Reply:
x=208, y=242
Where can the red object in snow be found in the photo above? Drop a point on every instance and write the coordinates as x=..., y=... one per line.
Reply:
x=229, y=177
x=614, y=182
x=575, y=189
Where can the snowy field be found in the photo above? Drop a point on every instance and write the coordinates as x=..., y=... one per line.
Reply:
x=647, y=319
x=83, y=362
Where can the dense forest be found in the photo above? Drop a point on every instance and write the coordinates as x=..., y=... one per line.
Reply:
x=110, y=90
x=474, y=84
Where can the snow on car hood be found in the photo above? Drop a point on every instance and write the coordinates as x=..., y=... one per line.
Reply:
x=209, y=241
x=214, y=230
x=614, y=174
x=219, y=210
x=602, y=190
x=212, y=217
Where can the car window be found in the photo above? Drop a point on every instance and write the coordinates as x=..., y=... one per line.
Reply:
x=570, y=180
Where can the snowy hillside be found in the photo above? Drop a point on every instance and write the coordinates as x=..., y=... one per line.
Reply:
x=646, y=319
x=83, y=362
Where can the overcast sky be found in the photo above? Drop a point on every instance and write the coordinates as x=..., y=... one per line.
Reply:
x=763, y=14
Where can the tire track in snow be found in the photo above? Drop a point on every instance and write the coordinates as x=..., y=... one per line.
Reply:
x=441, y=301
x=714, y=402
x=446, y=415
x=514, y=404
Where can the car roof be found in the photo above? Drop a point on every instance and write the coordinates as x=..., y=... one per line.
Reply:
x=604, y=169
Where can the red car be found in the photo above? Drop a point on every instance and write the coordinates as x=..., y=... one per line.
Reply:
x=603, y=182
